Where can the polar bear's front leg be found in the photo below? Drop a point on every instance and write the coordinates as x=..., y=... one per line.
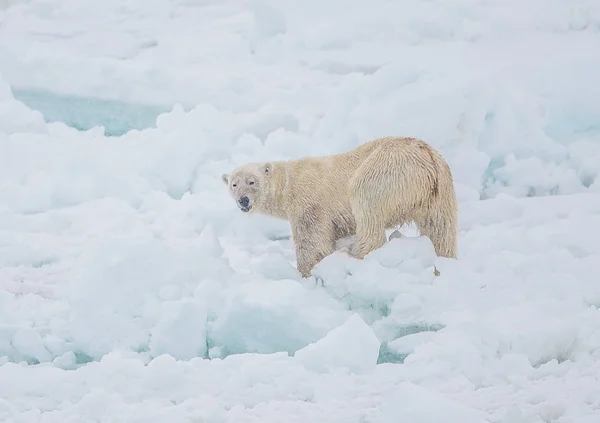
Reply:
x=313, y=239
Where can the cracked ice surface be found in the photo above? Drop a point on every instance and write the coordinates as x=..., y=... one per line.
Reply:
x=132, y=289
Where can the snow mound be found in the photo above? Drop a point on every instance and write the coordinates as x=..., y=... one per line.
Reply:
x=414, y=404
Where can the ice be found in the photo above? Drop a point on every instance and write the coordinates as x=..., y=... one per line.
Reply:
x=132, y=289
x=84, y=113
x=271, y=316
x=352, y=345
x=180, y=331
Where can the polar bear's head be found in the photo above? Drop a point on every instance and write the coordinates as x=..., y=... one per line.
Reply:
x=247, y=185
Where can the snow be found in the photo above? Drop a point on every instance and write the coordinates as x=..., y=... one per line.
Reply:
x=132, y=289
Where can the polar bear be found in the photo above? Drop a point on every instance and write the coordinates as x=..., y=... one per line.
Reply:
x=379, y=185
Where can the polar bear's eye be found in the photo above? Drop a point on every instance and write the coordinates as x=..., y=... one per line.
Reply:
x=251, y=183
x=234, y=185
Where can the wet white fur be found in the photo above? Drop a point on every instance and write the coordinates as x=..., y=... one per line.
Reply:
x=379, y=185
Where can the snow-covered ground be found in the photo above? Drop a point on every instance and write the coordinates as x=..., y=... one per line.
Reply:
x=133, y=290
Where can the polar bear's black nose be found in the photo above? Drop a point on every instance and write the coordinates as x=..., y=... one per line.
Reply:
x=244, y=201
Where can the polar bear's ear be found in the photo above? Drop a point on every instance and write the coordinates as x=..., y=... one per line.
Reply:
x=267, y=168
x=225, y=178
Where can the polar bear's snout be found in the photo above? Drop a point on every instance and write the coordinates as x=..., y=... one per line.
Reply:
x=244, y=203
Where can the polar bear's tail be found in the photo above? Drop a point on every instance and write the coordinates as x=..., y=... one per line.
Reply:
x=437, y=166
x=441, y=224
